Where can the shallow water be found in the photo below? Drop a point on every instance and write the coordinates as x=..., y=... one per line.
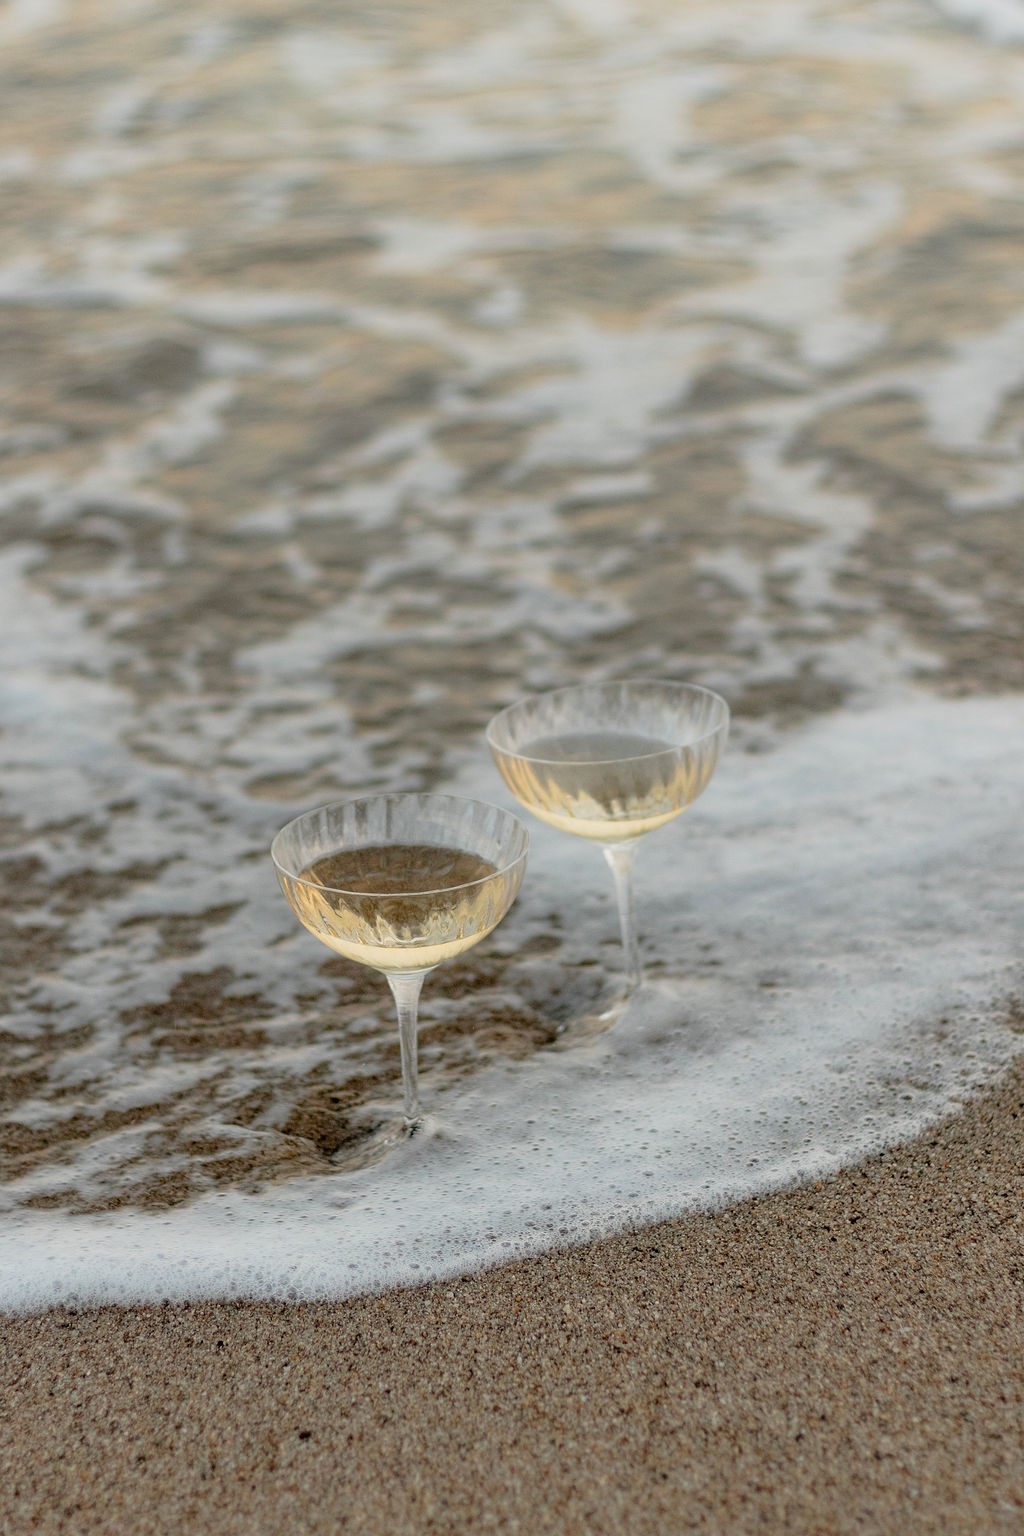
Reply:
x=822, y=980
x=355, y=380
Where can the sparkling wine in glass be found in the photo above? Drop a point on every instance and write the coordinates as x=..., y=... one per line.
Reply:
x=612, y=762
x=402, y=883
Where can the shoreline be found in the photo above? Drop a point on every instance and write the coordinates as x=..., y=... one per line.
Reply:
x=361, y=373
x=841, y=1356
x=809, y=1003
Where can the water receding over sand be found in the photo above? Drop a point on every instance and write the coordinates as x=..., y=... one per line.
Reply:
x=355, y=380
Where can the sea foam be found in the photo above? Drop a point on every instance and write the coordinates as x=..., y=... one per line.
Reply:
x=832, y=934
x=313, y=463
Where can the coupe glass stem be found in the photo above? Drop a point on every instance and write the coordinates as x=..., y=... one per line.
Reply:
x=405, y=988
x=620, y=862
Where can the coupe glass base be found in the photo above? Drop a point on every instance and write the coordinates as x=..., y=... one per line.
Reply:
x=382, y=1138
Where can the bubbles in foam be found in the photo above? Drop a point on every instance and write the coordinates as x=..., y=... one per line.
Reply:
x=845, y=1046
x=898, y=868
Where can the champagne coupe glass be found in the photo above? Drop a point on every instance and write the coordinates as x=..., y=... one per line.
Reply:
x=611, y=762
x=402, y=883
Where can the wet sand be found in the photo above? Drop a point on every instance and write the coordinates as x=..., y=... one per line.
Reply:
x=841, y=1357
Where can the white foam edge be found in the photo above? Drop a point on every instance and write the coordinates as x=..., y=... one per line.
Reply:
x=860, y=887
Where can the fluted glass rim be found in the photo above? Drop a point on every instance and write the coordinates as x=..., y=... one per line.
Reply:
x=461, y=800
x=721, y=725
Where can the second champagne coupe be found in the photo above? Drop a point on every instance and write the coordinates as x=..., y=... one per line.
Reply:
x=612, y=762
x=402, y=883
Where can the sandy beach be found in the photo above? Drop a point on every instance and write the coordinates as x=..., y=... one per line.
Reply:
x=359, y=374
x=839, y=1358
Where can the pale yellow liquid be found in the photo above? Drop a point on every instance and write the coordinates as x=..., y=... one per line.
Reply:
x=436, y=915
x=608, y=785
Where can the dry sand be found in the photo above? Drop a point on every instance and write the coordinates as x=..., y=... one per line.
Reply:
x=844, y=1357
